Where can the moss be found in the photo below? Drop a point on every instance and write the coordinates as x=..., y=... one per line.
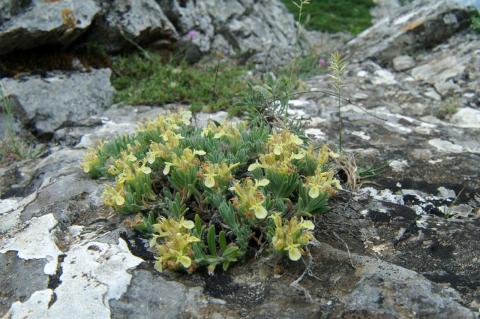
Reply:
x=335, y=16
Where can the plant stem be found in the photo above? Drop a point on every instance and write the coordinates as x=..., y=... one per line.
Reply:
x=339, y=96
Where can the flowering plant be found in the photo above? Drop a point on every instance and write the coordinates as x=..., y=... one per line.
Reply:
x=203, y=196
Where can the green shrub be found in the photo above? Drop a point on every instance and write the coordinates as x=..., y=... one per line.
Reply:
x=334, y=15
x=207, y=197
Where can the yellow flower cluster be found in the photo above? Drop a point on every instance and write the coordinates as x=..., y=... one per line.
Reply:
x=214, y=174
x=322, y=182
x=176, y=249
x=129, y=170
x=114, y=196
x=184, y=162
x=91, y=159
x=282, y=149
x=230, y=130
x=249, y=199
x=169, y=122
x=292, y=236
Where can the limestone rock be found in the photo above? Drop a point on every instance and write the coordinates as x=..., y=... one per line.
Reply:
x=423, y=26
x=467, y=117
x=260, y=30
x=60, y=99
x=126, y=21
x=27, y=24
x=403, y=62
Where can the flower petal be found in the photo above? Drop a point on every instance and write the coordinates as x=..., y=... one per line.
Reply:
x=188, y=224
x=294, y=253
x=166, y=170
x=260, y=212
x=314, y=191
x=263, y=182
x=158, y=265
x=185, y=261
x=254, y=166
x=307, y=224
x=209, y=181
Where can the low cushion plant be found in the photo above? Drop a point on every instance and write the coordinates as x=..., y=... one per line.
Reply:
x=210, y=196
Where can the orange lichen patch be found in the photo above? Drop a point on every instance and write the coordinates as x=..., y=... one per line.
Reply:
x=69, y=19
x=412, y=25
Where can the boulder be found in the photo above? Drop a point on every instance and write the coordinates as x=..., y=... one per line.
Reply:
x=60, y=99
x=261, y=30
x=467, y=117
x=27, y=24
x=127, y=23
x=423, y=26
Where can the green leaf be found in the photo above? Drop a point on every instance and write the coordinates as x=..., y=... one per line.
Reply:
x=198, y=226
x=222, y=240
x=212, y=246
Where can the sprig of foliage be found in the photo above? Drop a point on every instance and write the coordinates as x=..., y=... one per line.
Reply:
x=205, y=197
x=338, y=67
x=475, y=20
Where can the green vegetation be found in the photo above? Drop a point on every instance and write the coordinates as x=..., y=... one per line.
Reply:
x=141, y=80
x=334, y=15
x=151, y=81
x=12, y=147
x=475, y=19
x=448, y=107
x=208, y=197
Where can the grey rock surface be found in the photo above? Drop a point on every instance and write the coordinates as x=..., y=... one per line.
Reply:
x=125, y=22
x=398, y=256
x=263, y=31
x=420, y=25
x=403, y=62
x=30, y=24
x=260, y=31
x=19, y=279
x=60, y=99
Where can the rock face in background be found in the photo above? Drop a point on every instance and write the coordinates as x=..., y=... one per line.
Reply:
x=27, y=24
x=261, y=30
x=420, y=27
x=60, y=99
x=123, y=21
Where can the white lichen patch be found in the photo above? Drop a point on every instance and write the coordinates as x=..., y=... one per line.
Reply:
x=385, y=195
x=35, y=307
x=398, y=166
x=445, y=146
x=108, y=129
x=299, y=103
x=36, y=241
x=361, y=135
x=93, y=273
x=315, y=133
x=10, y=210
